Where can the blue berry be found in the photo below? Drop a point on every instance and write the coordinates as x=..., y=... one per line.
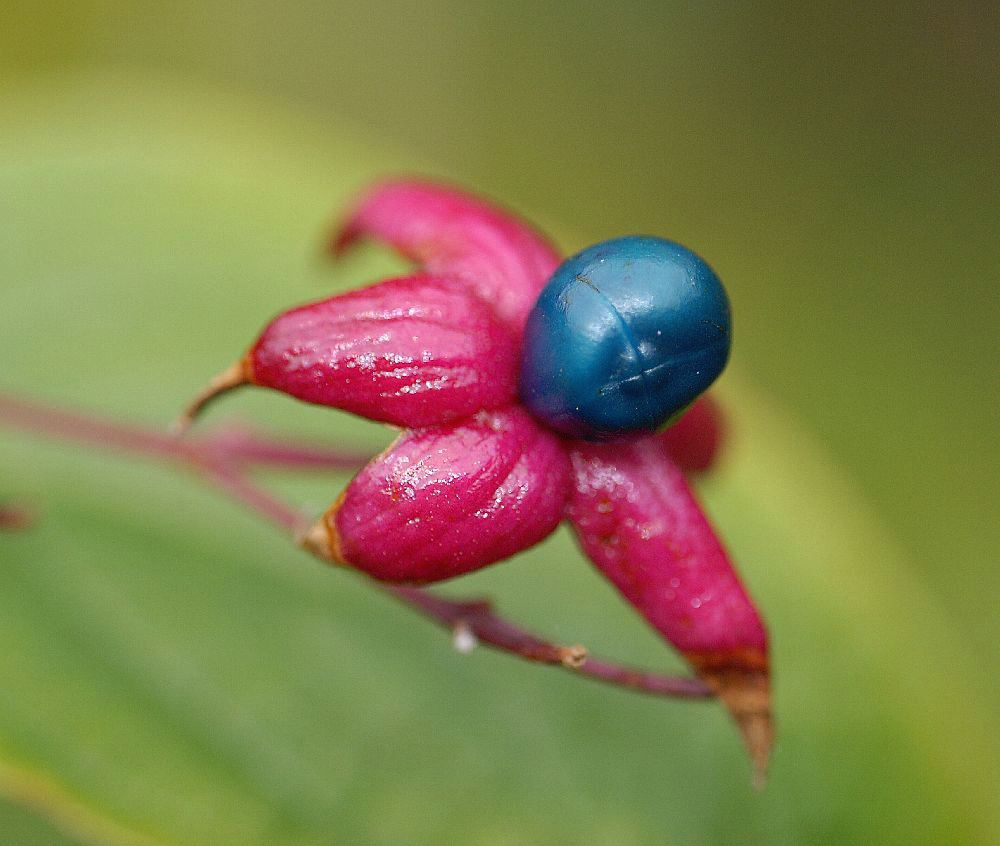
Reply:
x=624, y=336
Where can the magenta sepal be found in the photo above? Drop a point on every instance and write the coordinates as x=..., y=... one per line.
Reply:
x=638, y=521
x=694, y=441
x=450, y=499
x=449, y=232
x=411, y=351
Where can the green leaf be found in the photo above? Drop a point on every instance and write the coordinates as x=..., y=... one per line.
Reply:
x=174, y=672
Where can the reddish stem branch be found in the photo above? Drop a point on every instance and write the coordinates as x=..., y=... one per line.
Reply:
x=220, y=458
x=231, y=444
x=244, y=446
x=478, y=617
x=38, y=419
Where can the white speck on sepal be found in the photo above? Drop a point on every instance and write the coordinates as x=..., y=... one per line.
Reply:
x=463, y=638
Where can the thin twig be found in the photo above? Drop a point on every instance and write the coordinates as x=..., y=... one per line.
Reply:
x=221, y=460
x=478, y=617
x=248, y=447
x=233, y=444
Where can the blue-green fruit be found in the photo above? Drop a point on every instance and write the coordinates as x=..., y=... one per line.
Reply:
x=624, y=336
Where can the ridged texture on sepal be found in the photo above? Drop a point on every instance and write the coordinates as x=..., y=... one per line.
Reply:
x=446, y=500
x=637, y=520
x=452, y=233
x=411, y=351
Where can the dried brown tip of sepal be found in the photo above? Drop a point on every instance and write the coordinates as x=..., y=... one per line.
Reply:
x=234, y=376
x=741, y=679
x=322, y=539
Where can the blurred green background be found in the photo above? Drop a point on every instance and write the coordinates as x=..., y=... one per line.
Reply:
x=167, y=172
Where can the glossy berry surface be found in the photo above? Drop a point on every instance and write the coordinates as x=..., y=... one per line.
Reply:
x=626, y=334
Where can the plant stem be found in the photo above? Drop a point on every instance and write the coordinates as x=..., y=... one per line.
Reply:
x=231, y=444
x=222, y=457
